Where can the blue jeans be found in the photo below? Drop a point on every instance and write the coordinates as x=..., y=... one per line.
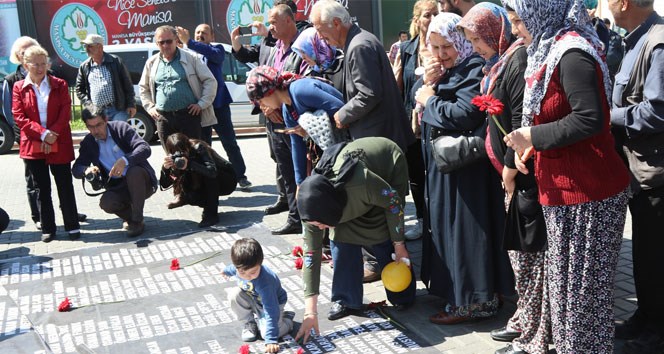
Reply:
x=348, y=272
x=226, y=133
x=115, y=115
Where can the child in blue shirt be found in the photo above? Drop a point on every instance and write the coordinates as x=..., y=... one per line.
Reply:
x=258, y=297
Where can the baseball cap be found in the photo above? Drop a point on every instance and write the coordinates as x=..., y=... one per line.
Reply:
x=93, y=39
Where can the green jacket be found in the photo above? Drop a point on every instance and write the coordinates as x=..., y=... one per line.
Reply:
x=374, y=212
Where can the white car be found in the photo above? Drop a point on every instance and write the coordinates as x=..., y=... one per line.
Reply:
x=235, y=75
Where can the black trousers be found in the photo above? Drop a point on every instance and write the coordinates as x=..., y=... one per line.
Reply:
x=281, y=190
x=281, y=147
x=416, y=176
x=127, y=199
x=63, y=181
x=33, y=193
x=647, y=211
x=206, y=197
x=179, y=121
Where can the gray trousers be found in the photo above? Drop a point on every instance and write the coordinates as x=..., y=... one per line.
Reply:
x=247, y=309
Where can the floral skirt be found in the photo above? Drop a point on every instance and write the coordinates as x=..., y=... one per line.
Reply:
x=584, y=243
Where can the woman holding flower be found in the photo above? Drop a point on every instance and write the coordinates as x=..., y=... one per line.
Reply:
x=566, y=129
x=488, y=28
x=462, y=258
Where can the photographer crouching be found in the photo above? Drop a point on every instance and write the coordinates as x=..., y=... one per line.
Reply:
x=198, y=176
x=112, y=156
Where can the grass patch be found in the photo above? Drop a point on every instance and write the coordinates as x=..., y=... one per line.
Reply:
x=76, y=121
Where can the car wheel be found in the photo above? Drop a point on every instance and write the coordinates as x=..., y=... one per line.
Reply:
x=6, y=137
x=143, y=125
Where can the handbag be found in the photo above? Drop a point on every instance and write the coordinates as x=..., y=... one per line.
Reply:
x=453, y=150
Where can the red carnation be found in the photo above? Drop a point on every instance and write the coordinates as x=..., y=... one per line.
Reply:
x=300, y=351
x=175, y=264
x=244, y=349
x=298, y=263
x=65, y=305
x=491, y=105
x=297, y=251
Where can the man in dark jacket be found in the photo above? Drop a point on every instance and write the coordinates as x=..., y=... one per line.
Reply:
x=637, y=119
x=114, y=152
x=103, y=80
x=373, y=101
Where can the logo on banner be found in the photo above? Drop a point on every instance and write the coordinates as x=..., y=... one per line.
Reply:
x=246, y=12
x=70, y=25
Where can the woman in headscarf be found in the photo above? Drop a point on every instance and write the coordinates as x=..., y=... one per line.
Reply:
x=582, y=181
x=324, y=60
x=462, y=259
x=412, y=55
x=488, y=28
x=294, y=96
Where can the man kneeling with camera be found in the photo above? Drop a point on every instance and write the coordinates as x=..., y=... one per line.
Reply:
x=115, y=158
x=198, y=176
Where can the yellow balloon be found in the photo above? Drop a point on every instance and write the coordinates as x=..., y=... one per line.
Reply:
x=396, y=276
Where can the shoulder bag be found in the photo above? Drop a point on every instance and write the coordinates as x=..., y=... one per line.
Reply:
x=453, y=150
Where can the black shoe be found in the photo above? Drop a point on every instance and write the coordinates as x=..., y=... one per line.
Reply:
x=288, y=228
x=403, y=307
x=509, y=350
x=648, y=342
x=276, y=208
x=48, y=237
x=75, y=235
x=504, y=335
x=82, y=217
x=631, y=328
x=208, y=221
x=338, y=311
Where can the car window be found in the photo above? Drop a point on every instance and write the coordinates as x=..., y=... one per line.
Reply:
x=235, y=71
x=135, y=61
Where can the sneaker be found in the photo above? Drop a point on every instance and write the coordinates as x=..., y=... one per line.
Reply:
x=244, y=183
x=415, y=232
x=250, y=332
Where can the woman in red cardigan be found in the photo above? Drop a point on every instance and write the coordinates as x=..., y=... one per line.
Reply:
x=582, y=181
x=42, y=109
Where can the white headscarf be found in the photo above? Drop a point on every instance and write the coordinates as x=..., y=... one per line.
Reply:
x=445, y=24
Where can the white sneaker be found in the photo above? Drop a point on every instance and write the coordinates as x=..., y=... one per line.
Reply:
x=250, y=332
x=415, y=232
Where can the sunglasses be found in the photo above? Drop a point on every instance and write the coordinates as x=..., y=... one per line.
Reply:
x=165, y=41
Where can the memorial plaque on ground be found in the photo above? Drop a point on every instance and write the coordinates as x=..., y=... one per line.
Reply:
x=126, y=299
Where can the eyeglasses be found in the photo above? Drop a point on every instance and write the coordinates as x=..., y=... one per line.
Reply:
x=89, y=45
x=165, y=42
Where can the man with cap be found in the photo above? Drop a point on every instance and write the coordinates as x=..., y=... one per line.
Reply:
x=357, y=191
x=103, y=80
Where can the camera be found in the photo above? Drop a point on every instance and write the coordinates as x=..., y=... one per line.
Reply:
x=246, y=30
x=95, y=180
x=179, y=160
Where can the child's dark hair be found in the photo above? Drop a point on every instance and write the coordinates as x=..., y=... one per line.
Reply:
x=246, y=253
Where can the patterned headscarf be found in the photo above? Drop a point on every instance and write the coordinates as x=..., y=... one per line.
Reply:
x=262, y=81
x=556, y=27
x=445, y=24
x=489, y=21
x=310, y=44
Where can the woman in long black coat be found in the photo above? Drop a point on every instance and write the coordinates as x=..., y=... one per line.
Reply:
x=463, y=261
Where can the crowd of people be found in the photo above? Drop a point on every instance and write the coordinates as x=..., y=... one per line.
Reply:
x=568, y=138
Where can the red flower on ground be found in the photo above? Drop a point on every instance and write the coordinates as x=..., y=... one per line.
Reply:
x=244, y=349
x=298, y=263
x=175, y=264
x=489, y=104
x=65, y=305
x=300, y=351
x=297, y=251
